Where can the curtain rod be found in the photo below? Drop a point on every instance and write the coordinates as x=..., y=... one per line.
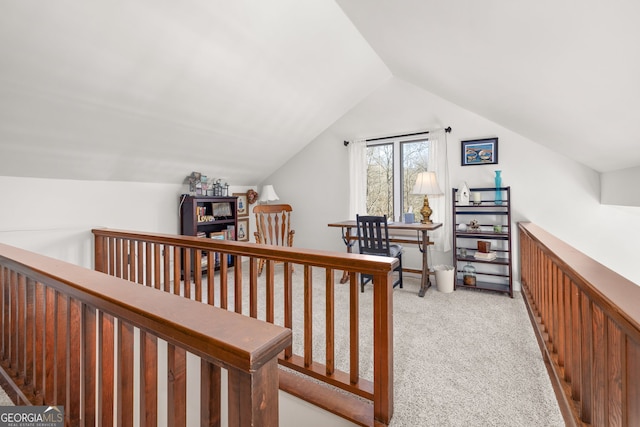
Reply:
x=447, y=130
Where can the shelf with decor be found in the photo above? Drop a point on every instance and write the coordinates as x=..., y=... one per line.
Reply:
x=482, y=239
x=212, y=217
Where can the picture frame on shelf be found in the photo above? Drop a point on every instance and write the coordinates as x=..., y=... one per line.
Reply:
x=476, y=152
x=221, y=210
x=242, y=232
x=242, y=205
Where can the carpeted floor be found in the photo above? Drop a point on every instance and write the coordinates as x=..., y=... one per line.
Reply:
x=4, y=399
x=466, y=358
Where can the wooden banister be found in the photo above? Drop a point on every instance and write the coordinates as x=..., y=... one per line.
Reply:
x=117, y=249
x=587, y=321
x=336, y=261
x=54, y=313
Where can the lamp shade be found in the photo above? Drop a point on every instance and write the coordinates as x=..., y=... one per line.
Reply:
x=268, y=194
x=427, y=183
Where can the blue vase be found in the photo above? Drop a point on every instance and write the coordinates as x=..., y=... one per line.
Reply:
x=498, y=180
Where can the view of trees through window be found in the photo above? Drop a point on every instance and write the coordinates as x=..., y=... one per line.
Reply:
x=392, y=168
x=380, y=180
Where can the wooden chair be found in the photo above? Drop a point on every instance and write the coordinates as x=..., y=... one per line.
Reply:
x=373, y=239
x=273, y=227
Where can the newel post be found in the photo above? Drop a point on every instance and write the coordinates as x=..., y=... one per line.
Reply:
x=100, y=246
x=253, y=396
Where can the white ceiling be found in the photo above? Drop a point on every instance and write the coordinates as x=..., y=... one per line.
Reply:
x=149, y=90
x=564, y=73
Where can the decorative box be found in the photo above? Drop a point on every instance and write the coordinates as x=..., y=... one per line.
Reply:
x=484, y=246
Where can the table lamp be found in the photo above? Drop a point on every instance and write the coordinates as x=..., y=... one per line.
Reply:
x=427, y=184
x=268, y=194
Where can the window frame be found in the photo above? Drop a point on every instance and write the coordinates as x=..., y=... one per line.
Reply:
x=398, y=144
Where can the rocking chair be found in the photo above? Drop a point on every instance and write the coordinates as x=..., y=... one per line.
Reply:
x=273, y=225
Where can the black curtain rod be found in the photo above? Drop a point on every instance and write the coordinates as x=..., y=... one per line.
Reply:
x=447, y=130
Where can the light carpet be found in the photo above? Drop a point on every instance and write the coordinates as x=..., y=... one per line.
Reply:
x=466, y=358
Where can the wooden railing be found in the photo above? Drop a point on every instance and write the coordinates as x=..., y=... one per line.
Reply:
x=68, y=338
x=587, y=320
x=178, y=264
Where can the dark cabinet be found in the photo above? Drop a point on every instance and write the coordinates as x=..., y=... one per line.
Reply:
x=213, y=217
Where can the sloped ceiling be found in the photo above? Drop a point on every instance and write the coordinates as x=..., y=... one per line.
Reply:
x=563, y=73
x=150, y=90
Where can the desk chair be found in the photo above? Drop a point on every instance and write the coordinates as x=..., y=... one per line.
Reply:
x=373, y=239
x=273, y=225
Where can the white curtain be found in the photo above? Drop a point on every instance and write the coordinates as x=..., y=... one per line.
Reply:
x=358, y=178
x=441, y=206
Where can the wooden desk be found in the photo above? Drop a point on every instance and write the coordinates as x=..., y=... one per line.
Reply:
x=421, y=239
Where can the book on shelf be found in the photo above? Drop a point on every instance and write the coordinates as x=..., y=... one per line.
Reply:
x=485, y=256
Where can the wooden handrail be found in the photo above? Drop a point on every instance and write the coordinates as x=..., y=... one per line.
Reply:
x=148, y=259
x=328, y=259
x=587, y=321
x=54, y=313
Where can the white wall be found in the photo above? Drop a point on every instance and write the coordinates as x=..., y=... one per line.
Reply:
x=549, y=189
x=55, y=217
x=618, y=187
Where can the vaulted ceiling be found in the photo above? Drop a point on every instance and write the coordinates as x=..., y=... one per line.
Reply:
x=150, y=90
x=563, y=73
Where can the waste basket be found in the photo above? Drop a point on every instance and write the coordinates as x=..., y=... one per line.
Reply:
x=444, y=278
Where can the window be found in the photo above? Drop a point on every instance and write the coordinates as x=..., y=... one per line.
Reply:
x=392, y=168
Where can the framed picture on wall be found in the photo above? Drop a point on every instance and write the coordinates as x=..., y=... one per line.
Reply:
x=242, y=233
x=479, y=152
x=242, y=207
